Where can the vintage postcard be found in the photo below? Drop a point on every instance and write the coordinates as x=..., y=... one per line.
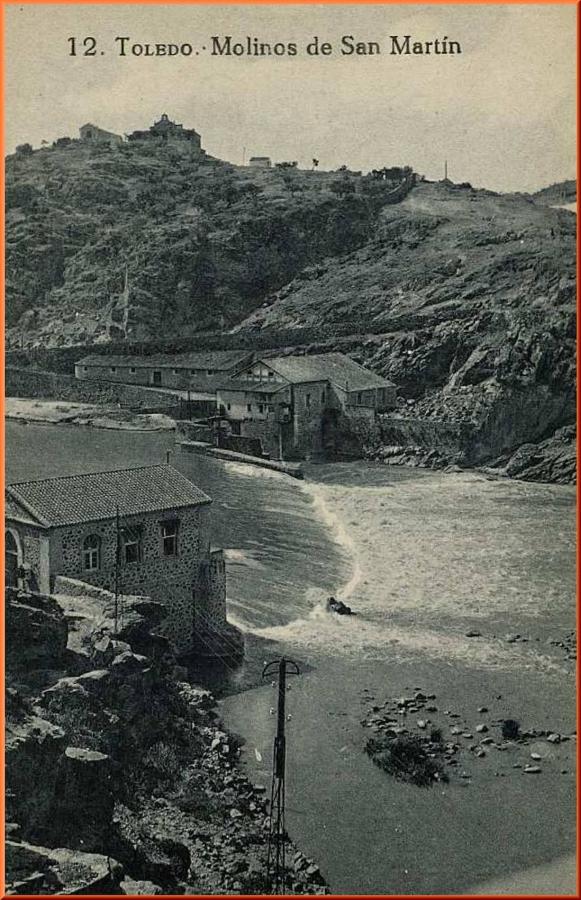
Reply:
x=290, y=468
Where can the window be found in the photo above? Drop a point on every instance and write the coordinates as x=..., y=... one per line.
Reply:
x=323, y=395
x=193, y=372
x=113, y=368
x=260, y=408
x=176, y=371
x=249, y=407
x=307, y=400
x=156, y=377
x=132, y=370
x=359, y=397
x=131, y=544
x=271, y=374
x=169, y=537
x=92, y=553
x=85, y=368
x=210, y=371
x=229, y=407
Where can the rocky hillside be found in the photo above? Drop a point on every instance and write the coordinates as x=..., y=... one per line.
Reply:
x=466, y=300
x=120, y=779
x=143, y=241
x=557, y=194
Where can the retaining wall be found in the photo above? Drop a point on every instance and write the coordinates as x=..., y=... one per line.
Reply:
x=433, y=434
x=35, y=384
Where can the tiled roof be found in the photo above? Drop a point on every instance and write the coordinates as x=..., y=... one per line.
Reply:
x=222, y=360
x=89, y=498
x=334, y=367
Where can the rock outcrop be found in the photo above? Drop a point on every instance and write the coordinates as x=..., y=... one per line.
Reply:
x=119, y=776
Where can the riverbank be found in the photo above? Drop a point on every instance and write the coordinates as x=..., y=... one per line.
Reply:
x=456, y=599
x=59, y=412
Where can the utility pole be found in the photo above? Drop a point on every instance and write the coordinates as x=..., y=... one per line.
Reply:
x=445, y=170
x=277, y=837
x=117, y=567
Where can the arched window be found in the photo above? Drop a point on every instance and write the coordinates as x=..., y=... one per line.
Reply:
x=12, y=559
x=92, y=553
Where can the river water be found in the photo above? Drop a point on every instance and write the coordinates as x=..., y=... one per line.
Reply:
x=423, y=557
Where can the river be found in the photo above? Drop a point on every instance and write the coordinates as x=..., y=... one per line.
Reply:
x=423, y=557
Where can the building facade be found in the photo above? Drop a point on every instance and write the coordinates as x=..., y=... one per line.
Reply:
x=199, y=373
x=260, y=162
x=95, y=135
x=132, y=531
x=299, y=406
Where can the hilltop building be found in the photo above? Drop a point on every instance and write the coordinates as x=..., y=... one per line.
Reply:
x=300, y=406
x=165, y=130
x=95, y=135
x=260, y=162
x=145, y=531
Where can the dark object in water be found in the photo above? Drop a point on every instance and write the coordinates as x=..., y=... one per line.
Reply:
x=337, y=606
x=510, y=729
x=408, y=758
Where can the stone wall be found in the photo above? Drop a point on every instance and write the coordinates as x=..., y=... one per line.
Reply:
x=266, y=432
x=215, y=609
x=194, y=431
x=51, y=386
x=309, y=404
x=173, y=580
x=30, y=541
x=433, y=434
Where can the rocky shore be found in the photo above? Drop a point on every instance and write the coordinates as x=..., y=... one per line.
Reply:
x=553, y=461
x=121, y=779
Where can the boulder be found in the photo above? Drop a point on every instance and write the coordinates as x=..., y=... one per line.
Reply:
x=36, y=631
x=83, y=802
x=60, y=871
x=34, y=748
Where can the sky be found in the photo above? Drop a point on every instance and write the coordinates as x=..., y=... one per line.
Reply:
x=502, y=113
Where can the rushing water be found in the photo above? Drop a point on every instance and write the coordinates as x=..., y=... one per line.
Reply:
x=422, y=557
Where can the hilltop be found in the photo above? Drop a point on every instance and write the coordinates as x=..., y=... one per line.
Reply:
x=202, y=242
x=555, y=194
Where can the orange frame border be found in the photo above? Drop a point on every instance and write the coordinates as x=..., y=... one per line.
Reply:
x=3, y=4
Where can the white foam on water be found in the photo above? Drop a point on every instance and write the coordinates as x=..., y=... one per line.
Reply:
x=417, y=575
x=248, y=470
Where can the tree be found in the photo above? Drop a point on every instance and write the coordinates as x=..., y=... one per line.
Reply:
x=24, y=150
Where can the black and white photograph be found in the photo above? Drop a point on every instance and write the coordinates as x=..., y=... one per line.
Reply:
x=290, y=449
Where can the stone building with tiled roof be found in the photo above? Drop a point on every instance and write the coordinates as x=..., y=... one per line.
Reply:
x=300, y=406
x=136, y=531
x=199, y=372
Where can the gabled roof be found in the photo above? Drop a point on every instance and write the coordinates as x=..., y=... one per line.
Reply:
x=337, y=368
x=222, y=360
x=95, y=496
